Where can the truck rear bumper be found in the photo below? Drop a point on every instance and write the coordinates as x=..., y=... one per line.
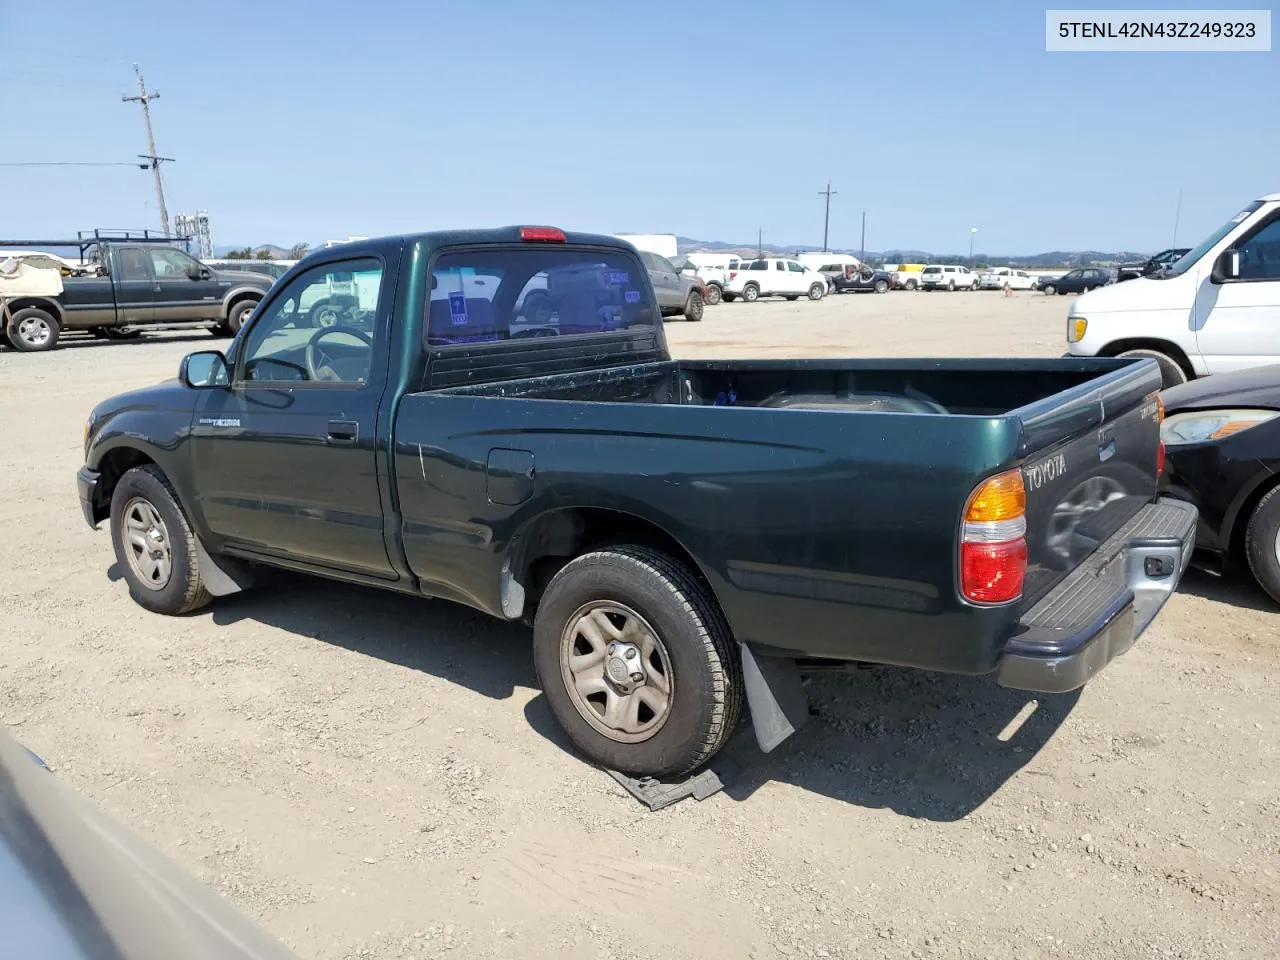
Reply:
x=1104, y=605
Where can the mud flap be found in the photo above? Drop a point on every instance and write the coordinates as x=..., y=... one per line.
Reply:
x=224, y=576
x=779, y=706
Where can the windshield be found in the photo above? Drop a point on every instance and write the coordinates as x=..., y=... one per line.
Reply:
x=1193, y=256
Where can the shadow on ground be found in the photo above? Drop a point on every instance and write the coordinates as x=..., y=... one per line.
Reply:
x=1236, y=589
x=924, y=745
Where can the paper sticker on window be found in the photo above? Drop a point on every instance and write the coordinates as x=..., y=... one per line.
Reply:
x=458, y=309
x=632, y=296
x=619, y=278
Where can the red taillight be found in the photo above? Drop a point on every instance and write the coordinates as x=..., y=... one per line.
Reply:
x=542, y=234
x=1160, y=460
x=1160, y=443
x=993, y=543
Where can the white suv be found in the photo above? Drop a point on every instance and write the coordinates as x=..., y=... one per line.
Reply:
x=947, y=276
x=1002, y=278
x=775, y=278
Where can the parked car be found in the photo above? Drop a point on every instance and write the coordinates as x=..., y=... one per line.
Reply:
x=1152, y=265
x=678, y=293
x=1222, y=437
x=78, y=885
x=1215, y=310
x=1080, y=280
x=673, y=557
x=271, y=268
x=775, y=277
x=1005, y=278
x=830, y=265
x=713, y=278
x=144, y=283
x=947, y=277
x=1046, y=280
x=862, y=279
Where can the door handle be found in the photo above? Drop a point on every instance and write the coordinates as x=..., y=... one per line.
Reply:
x=343, y=432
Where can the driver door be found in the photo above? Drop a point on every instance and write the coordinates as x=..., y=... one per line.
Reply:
x=286, y=456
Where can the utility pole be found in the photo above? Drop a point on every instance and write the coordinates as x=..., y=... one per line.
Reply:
x=826, y=220
x=145, y=99
x=760, y=243
x=1177, y=215
x=862, y=249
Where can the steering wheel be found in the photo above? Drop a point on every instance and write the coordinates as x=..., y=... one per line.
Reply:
x=324, y=371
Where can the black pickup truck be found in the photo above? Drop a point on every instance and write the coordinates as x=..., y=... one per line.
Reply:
x=679, y=534
x=142, y=282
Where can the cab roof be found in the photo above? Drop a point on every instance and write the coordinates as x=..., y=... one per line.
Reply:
x=533, y=235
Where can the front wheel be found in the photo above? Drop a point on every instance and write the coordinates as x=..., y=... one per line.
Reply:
x=693, y=306
x=714, y=294
x=817, y=291
x=154, y=544
x=1171, y=372
x=636, y=662
x=1049, y=289
x=239, y=313
x=751, y=293
x=882, y=286
x=1262, y=543
x=33, y=330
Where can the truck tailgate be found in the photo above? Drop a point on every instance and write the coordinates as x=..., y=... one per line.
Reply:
x=1091, y=460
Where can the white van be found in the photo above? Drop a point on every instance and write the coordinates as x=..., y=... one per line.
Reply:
x=1215, y=310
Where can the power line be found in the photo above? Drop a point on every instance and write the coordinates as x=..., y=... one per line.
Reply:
x=145, y=99
x=72, y=163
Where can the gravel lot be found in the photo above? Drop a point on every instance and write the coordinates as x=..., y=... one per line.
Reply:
x=371, y=776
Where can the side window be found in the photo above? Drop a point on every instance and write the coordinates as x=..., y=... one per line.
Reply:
x=663, y=264
x=759, y=265
x=779, y=265
x=133, y=264
x=1260, y=254
x=170, y=264
x=320, y=329
x=499, y=293
x=794, y=267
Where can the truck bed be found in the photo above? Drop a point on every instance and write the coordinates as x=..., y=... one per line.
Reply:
x=823, y=492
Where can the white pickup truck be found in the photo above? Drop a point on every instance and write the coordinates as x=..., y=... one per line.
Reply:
x=1215, y=310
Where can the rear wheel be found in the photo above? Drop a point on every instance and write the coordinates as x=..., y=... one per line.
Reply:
x=751, y=293
x=909, y=285
x=817, y=291
x=951, y=286
x=1262, y=543
x=693, y=306
x=1171, y=372
x=714, y=294
x=636, y=662
x=33, y=330
x=882, y=286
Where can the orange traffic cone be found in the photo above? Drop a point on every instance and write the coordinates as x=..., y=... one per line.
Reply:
x=1008, y=290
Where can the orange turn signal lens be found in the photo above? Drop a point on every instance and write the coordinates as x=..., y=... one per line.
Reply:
x=1002, y=497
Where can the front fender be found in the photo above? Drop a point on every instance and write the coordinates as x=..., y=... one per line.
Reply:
x=240, y=292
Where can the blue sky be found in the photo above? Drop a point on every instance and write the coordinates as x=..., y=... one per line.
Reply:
x=312, y=119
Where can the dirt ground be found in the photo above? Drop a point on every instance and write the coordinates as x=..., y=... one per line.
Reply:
x=373, y=776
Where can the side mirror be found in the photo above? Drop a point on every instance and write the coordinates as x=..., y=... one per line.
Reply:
x=203, y=370
x=1227, y=266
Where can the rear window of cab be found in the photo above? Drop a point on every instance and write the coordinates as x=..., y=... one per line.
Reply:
x=499, y=294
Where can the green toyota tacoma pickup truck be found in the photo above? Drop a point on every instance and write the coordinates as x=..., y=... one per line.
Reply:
x=681, y=535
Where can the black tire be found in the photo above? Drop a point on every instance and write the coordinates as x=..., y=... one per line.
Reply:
x=910, y=285
x=32, y=330
x=817, y=291
x=116, y=333
x=705, y=671
x=751, y=293
x=183, y=591
x=693, y=307
x=714, y=294
x=223, y=329
x=239, y=311
x=730, y=297
x=1262, y=543
x=792, y=296
x=1171, y=372
x=951, y=286
x=1049, y=289
x=882, y=286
